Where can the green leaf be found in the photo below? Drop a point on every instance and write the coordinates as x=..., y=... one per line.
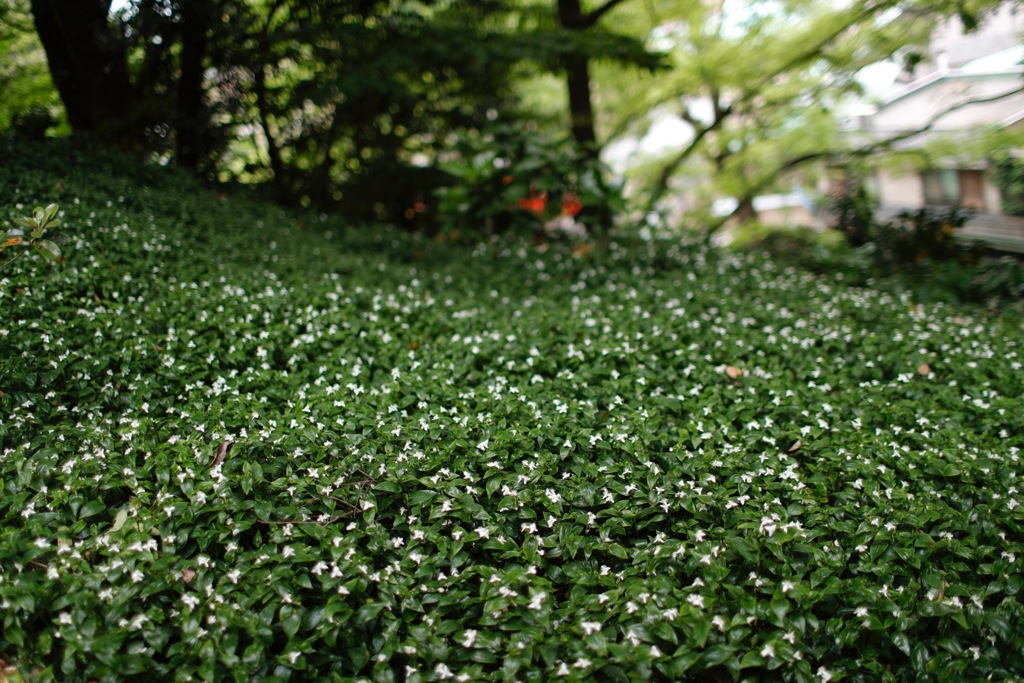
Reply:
x=92, y=507
x=717, y=654
x=290, y=619
x=369, y=612
x=48, y=248
x=483, y=656
x=617, y=550
x=1000, y=625
x=421, y=497
x=119, y=519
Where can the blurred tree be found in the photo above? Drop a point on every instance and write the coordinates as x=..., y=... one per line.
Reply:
x=757, y=87
x=88, y=64
x=337, y=103
x=571, y=16
x=30, y=102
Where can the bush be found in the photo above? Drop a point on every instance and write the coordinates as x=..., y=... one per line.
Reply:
x=918, y=251
x=37, y=225
x=916, y=237
x=510, y=179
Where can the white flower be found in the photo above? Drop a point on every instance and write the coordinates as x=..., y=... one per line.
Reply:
x=582, y=663
x=482, y=446
x=696, y=600
x=483, y=532
x=563, y=669
x=861, y=611
x=590, y=627
x=824, y=674
x=190, y=600
x=768, y=651
x=655, y=652
x=537, y=601
x=469, y=637
x=787, y=586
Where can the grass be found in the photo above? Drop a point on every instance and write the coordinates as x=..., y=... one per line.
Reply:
x=245, y=444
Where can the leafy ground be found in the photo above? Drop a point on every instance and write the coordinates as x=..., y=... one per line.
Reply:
x=507, y=464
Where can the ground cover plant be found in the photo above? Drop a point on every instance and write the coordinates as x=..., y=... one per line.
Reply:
x=244, y=444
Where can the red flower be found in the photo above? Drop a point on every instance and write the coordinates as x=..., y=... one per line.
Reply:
x=571, y=205
x=535, y=202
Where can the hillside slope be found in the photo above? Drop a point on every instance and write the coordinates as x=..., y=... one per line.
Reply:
x=241, y=443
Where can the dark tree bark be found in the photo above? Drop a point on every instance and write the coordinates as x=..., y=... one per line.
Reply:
x=577, y=67
x=745, y=210
x=581, y=108
x=89, y=67
x=191, y=112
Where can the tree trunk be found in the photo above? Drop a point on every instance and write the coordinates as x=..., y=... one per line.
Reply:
x=577, y=68
x=581, y=109
x=745, y=211
x=273, y=151
x=191, y=119
x=89, y=66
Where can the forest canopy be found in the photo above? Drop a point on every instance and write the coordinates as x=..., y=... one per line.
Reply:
x=362, y=105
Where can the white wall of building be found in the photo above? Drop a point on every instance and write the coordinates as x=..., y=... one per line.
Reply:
x=899, y=190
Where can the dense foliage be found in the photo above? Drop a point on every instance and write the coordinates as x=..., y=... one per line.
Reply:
x=1009, y=176
x=515, y=463
x=922, y=249
x=337, y=104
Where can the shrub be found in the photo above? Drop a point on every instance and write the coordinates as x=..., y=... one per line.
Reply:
x=916, y=237
x=508, y=179
x=38, y=224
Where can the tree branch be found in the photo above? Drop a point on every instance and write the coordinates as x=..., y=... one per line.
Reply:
x=813, y=51
x=874, y=147
x=661, y=186
x=593, y=16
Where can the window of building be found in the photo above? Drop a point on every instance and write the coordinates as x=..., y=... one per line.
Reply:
x=951, y=187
